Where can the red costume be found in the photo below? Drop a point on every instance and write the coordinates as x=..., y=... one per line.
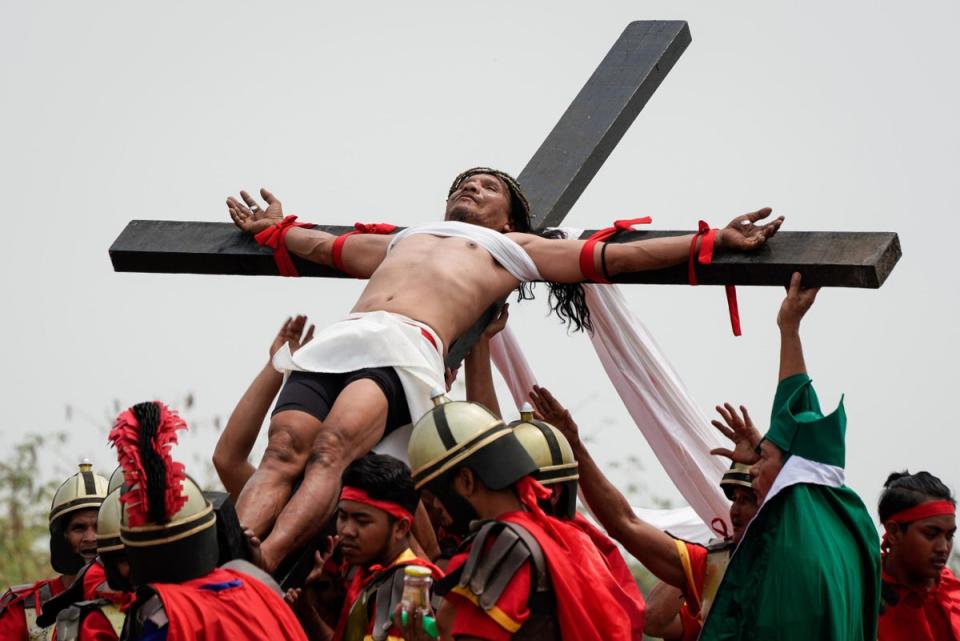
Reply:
x=367, y=579
x=13, y=606
x=96, y=625
x=226, y=605
x=592, y=602
x=921, y=615
x=364, y=578
x=911, y=614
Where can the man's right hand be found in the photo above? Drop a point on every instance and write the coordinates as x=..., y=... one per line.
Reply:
x=555, y=414
x=248, y=215
x=798, y=301
x=292, y=334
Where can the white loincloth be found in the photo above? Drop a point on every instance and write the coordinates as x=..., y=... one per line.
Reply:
x=509, y=254
x=376, y=339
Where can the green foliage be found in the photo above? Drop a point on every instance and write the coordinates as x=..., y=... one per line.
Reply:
x=24, y=509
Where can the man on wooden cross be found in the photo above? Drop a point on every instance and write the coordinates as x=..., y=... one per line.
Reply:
x=365, y=376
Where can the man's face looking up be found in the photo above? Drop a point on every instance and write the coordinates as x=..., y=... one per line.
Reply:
x=81, y=534
x=481, y=199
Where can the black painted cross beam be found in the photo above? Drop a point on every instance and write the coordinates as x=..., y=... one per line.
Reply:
x=554, y=178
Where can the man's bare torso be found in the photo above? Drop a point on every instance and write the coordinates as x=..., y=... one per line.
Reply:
x=445, y=283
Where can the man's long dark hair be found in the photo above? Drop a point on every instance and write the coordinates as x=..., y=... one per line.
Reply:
x=567, y=300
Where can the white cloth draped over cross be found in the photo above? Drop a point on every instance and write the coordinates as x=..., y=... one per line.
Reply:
x=678, y=433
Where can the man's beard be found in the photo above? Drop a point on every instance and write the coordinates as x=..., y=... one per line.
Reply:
x=461, y=214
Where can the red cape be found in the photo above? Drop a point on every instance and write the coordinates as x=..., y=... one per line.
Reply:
x=592, y=604
x=13, y=620
x=618, y=567
x=226, y=605
x=930, y=615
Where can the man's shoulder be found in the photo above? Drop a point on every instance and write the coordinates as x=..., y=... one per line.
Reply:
x=20, y=594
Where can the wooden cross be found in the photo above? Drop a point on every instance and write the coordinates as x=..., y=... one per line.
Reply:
x=559, y=171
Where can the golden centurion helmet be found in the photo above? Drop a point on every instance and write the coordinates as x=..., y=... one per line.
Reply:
x=167, y=527
x=85, y=490
x=109, y=545
x=737, y=476
x=456, y=434
x=549, y=449
x=108, y=524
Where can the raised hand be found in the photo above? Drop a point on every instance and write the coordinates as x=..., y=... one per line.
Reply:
x=291, y=333
x=743, y=234
x=741, y=431
x=550, y=409
x=248, y=215
x=795, y=305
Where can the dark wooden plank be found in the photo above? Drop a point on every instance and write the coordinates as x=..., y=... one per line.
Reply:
x=829, y=259
x=596, y=120
x=825, y=259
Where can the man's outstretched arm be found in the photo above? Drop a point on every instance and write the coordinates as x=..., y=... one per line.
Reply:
x=559, y=260
x=366, y=251
x=655, y=549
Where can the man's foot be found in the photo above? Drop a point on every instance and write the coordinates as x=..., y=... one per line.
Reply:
x=255, y=550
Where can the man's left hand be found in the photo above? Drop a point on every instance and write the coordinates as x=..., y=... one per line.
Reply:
x=744, y=234
x=741, y=431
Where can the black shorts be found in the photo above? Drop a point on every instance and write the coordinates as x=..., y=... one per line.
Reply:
x=314, y=393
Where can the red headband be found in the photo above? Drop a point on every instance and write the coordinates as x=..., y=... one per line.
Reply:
x=924, y=511
x=360, y=496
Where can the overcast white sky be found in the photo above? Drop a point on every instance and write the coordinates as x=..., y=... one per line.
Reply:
x=841, y=116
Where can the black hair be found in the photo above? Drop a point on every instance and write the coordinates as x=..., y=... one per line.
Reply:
x=904, y=490
x=383, y=478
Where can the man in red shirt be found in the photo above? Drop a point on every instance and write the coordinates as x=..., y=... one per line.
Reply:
x=73, y=522
x=921, y=596
x=94, y=607
x=374, y=515
x=523, y=574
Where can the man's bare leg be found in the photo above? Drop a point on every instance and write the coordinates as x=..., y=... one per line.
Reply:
x=355, y=424
x=266, y=492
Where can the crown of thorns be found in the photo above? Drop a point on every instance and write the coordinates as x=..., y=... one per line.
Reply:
x=519, y=201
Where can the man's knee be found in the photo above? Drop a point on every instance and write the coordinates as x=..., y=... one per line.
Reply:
x=285, y=445
x=330, y=449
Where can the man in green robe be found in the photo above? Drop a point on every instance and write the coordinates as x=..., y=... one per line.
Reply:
x=808, y=566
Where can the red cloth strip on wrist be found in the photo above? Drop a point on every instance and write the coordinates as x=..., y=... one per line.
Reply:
x=587, y=264
x=360, y=496
x=358, y=228
x=708, y=238
x=274, y=237
x=924, y=511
